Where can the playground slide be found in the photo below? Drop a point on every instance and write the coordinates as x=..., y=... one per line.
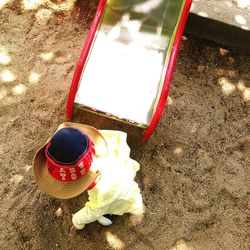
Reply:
x=129, y=57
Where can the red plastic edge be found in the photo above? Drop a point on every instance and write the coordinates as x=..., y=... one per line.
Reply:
x=82, y=60
x=167, y=81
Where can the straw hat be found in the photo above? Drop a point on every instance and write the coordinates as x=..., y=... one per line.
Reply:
x=62, y=166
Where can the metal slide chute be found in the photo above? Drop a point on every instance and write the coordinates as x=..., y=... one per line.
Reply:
x=127, y=62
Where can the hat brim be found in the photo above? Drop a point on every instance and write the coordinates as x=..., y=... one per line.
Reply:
x=67, y=190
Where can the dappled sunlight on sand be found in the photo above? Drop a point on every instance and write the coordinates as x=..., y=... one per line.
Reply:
x=7, y=76
x=182, y=245
x=46, y=56
x=19, y=89
x=113, y=241
x=241, y=86
x=3, y=3
x=244, y=90
x=226, y=85
x=4, y=58
x=43, y=15
x=170, y=101
x=35, y=4
x=27, y=168
x=3, y=93
x=246, y=95
x=65, y=6
x=16, y=179
x=178, y=151
x=184, y=38
x=34, y=78
x=32, y=4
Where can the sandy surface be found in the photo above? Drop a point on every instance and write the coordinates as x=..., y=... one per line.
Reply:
x=194, y=172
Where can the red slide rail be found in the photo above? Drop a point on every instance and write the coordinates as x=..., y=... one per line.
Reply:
x=167, y=81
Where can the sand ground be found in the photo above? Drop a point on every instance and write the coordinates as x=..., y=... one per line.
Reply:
x=194, y=172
